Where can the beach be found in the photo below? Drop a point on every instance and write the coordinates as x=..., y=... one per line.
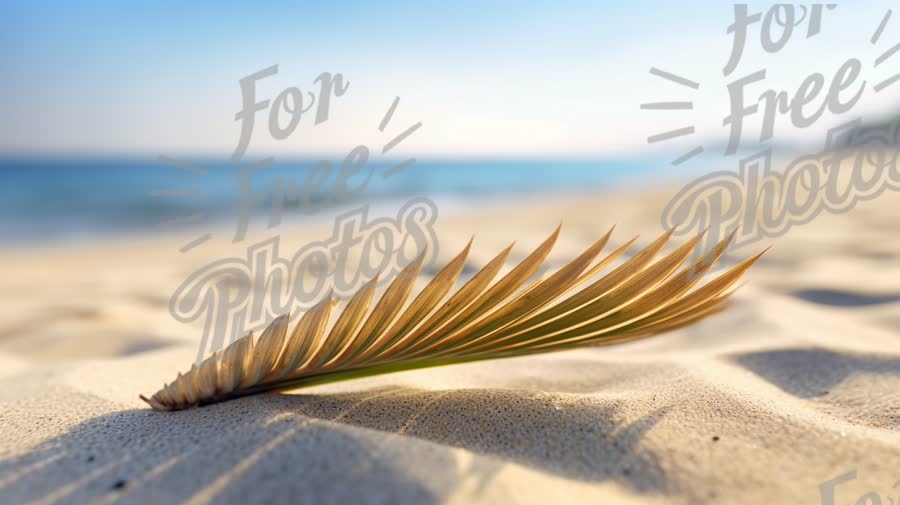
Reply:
x=792, y=395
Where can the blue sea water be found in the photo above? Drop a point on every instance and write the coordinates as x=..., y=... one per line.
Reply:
x=46, y=200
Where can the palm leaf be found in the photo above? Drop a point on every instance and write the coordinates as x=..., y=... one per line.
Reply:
x=482, y=320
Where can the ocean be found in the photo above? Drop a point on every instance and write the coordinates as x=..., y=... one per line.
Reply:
x=45, y=200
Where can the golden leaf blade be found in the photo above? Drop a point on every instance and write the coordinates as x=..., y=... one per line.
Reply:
x=232, y=369
x=630, y=280
x=425, y=302
x=479, y=321
x=385, y=311
x=599, y=287
x=305, y=338
x=532, y=300
x=267, y=349
x=346, y=325
x=424, y=334
x=505, y=287
x=208, y=376
x=649, y=302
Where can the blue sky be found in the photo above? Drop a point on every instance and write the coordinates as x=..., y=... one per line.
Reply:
x=496, y=78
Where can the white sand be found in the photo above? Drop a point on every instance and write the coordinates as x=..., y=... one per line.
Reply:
x=798, y=383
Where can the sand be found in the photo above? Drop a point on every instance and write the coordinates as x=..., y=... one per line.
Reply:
x=797, y=384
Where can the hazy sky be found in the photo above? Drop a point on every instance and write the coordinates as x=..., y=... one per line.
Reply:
x=506, y=78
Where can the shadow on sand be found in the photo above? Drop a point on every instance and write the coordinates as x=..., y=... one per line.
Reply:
x=308, y=449
x=813, y=372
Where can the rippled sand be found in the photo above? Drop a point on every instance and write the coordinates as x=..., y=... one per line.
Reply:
x=797, y=384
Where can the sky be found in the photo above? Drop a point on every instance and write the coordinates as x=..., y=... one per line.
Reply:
x=502, y=78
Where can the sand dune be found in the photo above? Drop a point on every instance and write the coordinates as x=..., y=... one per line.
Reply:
x=797, y=384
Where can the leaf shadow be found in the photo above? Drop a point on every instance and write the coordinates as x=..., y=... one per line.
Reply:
x=277, y=447
x=572, y=438
x=255, y=450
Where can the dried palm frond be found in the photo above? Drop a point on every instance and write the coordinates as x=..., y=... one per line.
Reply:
x=480, y=321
